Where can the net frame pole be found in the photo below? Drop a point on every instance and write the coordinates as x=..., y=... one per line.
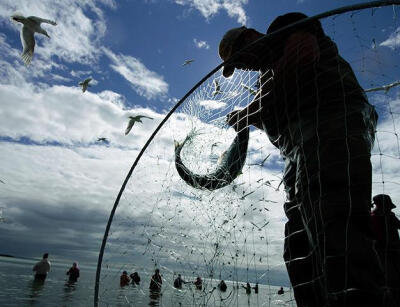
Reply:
x=337, y=11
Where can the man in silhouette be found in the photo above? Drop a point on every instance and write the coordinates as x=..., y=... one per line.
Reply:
x=156, y=281
x=386, y=228
x=314, y=111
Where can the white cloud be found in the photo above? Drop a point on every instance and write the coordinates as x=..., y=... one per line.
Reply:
x=80, y=73
x=67, y=116
x=145, y=82
x=209, y=8
x=393, y=41
x=60, y=78
x=113, y=97
x=212, y=104
x=201, y=44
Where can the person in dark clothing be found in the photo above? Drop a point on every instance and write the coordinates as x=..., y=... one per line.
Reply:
x=256, y=288
x=178, y=282
x=156, y=281
x=281, y=291
x=248, y=288
x=135, y=278
x=124, y=279
x=73, y=273
x=386, y=228
x=385, y=223
x=222, y=286
x=198, y=283
x=314, y=111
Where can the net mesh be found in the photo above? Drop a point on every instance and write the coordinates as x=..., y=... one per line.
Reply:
x=237, y=233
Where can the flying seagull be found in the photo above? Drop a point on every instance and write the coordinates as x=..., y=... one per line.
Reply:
x=102, y=140
x=133, y=120
x=187, y=62
x=31, y=25
x=85, y=84
x=217, y=88
x=251, y=91
x=2, y=181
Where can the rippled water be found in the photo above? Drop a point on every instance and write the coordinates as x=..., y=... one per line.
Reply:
x=19, y=289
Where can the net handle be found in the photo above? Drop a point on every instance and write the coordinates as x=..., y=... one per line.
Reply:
x=263, y=39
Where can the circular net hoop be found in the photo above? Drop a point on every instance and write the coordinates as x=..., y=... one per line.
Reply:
x=236, y=233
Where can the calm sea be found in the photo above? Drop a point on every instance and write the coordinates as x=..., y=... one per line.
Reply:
x=17, y=288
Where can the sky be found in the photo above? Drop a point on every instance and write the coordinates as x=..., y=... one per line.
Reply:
x=60, y=183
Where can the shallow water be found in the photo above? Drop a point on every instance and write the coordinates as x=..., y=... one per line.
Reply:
x=19, y=289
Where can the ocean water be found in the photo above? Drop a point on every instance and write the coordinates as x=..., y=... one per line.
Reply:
x=17, y=288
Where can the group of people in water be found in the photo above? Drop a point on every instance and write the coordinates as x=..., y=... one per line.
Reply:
x=156, y=283
x=42, y=268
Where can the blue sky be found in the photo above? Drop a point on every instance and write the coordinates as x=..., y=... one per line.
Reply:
x=60, y=184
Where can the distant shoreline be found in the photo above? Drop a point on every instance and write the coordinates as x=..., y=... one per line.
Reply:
x=16, y=257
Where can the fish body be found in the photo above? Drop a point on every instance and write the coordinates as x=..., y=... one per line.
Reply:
x=228, y=168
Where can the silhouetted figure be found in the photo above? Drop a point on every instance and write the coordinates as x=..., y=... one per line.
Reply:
x=73, y=273
x=281, y=291
x=156, y=281
x=315, y=112
x=247, y=288
x=135, y=278
x=222, y=286
x=386, y=228
x=42, y=268
x=124, y=279
x=198, y=283
x=178, y=282
x=256, y=288
x=384, y=222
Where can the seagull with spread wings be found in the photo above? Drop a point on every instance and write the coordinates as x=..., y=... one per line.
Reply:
x=133, y=120
x=251, y=91
x=217, y=88
x=103, y=140
x=85, y=84
x=187, y=62
x=31, y=25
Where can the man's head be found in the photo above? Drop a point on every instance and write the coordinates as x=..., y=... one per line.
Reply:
x=234, y=40
x=45, y=256
x=314, y=27
x=238, y=38
x=383, y=202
